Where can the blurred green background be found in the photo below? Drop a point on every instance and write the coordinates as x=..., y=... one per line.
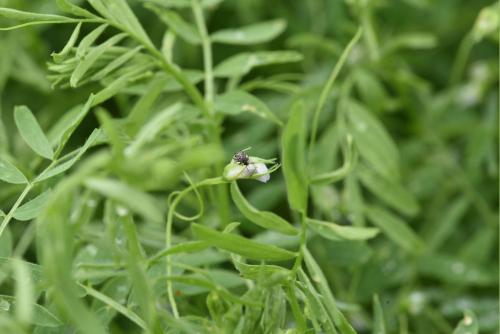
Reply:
x=426, y=70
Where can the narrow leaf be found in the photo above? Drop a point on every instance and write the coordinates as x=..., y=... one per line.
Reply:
x=120, y=12
x=24, y=293
x=268, y=271
x=411, y=41
x=68, y=7
x=137, y=201
x=89, y=60
x=314, y=301
x=10, y=174
x=265, y=219
x=329, y=301
x=116, y=63
x=185, y=247
x=334, y=231
x=111, y=303
x=240, y=245
x=31, y=18
x=395, y=229
x=67, y=129
x=35, y=270
x=31, y=209
x=343, y=171
x=454, y=271
x=174, y=21
x=31, y=132
x=237, y=101
x=448, y=219
x=293, y=143
x=112, y=132
x=372, y=141
x=251, y=34
x=144, y=106
x=59, y=56
x=5, y=244
x=89, y=39
x=243, y=63
x=389, y=191
x=41, y=316
x=112, y=89
x=67, y=164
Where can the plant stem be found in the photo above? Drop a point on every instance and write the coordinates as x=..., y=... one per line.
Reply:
x=204, y=106
x=370, y=36
x=168, y=234
x=461, y=60
x=222, y=194
x=18, y=202
x=207, y=52
x=303, y=240
x=190, y=89
x=294, y=305
x=132, y=316
x=328, y=87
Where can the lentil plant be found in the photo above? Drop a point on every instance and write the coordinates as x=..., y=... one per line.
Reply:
x=209, y=166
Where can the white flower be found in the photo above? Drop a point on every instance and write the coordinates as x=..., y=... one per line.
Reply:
x=261, y=172
x=235, y=171
x=255, y=169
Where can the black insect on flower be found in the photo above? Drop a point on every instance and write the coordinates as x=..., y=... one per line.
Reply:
x=242, y=158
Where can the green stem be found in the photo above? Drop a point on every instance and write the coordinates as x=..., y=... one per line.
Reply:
x=370, y=36
x=190, y=89
x=132, y=316
x=294, y=305
x=222, y=193
x=328, y=87
x=303, y=240
x=171, y=69
x=21, y=197
x=18, y=202
x=168, y=234
x=461, y=60
x=207, y=51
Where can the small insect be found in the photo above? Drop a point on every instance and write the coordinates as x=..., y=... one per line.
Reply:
x=242, y=158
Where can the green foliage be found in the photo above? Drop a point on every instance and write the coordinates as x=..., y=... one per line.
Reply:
x=124, y=210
